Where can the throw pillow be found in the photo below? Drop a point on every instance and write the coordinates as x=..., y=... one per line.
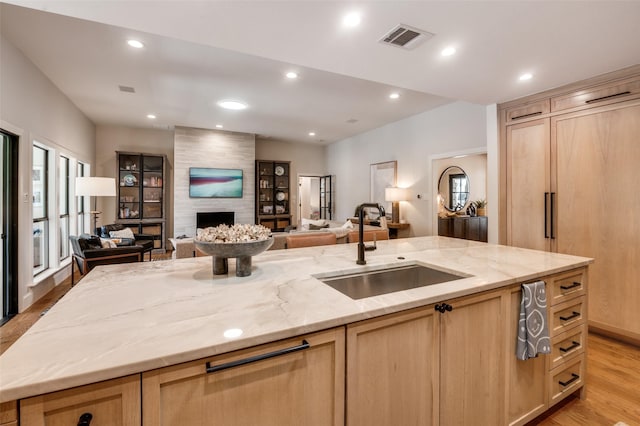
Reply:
x=107, y=243
x=125, y=233
x=313, y=227
x=307, y=222
x=347, y=225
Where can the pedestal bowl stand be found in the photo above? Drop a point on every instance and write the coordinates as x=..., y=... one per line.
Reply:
x=221, y=252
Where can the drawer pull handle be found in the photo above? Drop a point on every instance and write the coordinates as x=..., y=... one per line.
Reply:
x=602, y=98
x=573, y=378
x=569, y=287
x=527, y=115
x=445, y=307
x=572, y=316
x=85, y=419
x=249, y=360
x=574, y=345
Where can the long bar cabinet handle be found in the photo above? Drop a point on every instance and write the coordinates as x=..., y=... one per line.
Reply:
x=553, y=196
x=527, y=115
x=573, y=315
x=602, y=98
x=574, y=345
x=569, y=287
x=573, y=378
x=255, y=358
x=546, y=225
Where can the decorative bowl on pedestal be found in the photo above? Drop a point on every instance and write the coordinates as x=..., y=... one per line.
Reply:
x=242, y=251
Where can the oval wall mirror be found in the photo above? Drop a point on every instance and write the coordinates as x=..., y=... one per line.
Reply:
x=453, y=187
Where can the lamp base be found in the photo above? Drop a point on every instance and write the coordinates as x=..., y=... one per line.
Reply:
x=395, y=212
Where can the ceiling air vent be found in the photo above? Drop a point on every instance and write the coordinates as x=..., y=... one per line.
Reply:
x=406, y=37
x=127, y=89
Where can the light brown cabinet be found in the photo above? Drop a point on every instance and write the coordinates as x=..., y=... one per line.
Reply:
x=429, y=367
x=566, y=188
x=286, y=387
x=114, y=402
x=393, y=369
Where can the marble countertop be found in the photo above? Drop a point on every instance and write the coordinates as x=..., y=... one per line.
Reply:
x=129, y=318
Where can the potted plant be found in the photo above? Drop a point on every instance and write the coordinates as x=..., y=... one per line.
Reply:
x=481, y=207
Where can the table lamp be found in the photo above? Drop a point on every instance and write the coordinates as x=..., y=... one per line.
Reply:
x=90, y=186
x=395, y=195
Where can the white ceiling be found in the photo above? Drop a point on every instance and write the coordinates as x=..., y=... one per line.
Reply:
x=198, y=52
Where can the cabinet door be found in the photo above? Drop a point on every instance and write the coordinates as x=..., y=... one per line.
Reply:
x=472, y=360
x=114, y=402
x=597, y=161
x=526, y=392
x=392, y=370
x=305, y=387
x=528, y=184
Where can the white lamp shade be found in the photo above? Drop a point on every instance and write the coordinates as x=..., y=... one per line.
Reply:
x=95, y=186
x=396, y=194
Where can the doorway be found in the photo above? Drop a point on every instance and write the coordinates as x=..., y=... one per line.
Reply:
x=314, y=197
x=9, y=224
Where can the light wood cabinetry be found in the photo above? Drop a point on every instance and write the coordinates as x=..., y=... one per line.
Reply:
x=141, y=195
x=9, y=413
x=566, y=187
x=429, y=367
x=273, y=194
x=114, y=402
x=302, y=387
x=393, y=369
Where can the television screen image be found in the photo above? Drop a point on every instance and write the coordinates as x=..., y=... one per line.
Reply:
x=215, y=183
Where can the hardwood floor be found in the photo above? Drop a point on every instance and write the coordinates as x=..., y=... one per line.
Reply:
x=613, y=373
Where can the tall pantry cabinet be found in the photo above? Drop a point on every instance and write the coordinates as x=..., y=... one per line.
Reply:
x=569, y=161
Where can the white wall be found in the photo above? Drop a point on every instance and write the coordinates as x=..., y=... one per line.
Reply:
x=457, y=126
x=215, y=149
x=32, y=107
x=306, y=159
x=110, y=139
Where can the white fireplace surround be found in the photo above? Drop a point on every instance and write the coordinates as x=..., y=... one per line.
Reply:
x=215, y=149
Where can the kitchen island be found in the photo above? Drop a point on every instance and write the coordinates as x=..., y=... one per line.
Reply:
x=130, y=322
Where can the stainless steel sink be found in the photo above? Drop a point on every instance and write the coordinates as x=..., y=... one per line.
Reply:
x=374, y=283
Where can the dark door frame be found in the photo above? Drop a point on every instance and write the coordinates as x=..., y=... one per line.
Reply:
x=10, y=225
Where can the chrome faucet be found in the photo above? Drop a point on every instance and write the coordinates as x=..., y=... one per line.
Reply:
x=361, y=247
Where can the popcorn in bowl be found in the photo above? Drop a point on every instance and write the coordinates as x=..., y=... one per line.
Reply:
x=238, y=233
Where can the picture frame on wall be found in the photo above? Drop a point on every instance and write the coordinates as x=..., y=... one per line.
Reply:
x=383, y=175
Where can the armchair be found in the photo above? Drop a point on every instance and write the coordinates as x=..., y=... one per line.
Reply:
x=145, y=241
x=88, y=252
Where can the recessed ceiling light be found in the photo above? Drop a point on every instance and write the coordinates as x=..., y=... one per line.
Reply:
x=525, y=76
x=218, y=126
x=135, y=43
x=232, y=105
x=312, y=133
x=292, y=75
x=151, y=116
x=351, y=19
x=448, y=51
x=394, y=95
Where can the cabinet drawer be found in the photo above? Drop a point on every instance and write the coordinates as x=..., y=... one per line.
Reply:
x=526, y=111
x=567, y=315
x=616, y=91
x=568, y=345
x=8, y=412
x=566, y=286
x=565, y=380
x=115, y=402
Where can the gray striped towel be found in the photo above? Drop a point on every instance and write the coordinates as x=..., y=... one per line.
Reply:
x=533, y=332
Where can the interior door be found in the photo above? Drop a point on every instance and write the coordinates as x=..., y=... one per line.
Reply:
x=597, y=155
x=9, y=224
x=325, y=197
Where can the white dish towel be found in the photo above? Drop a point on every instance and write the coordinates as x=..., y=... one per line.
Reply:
x=533, y=332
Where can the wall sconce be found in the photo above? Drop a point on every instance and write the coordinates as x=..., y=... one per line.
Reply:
x=395, y=195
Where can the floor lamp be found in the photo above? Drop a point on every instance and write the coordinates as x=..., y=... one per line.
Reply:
x=95, y=187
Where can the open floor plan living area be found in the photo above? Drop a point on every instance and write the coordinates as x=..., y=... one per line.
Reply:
x=319, y=213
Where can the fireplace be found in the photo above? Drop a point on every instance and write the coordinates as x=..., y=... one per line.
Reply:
x=206, y=219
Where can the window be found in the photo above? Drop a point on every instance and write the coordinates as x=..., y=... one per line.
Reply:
x=63, y=203
x=459, y=191
x=39, y=179
x=80, y=172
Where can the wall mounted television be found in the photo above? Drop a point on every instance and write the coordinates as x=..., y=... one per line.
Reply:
x=215, y=183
